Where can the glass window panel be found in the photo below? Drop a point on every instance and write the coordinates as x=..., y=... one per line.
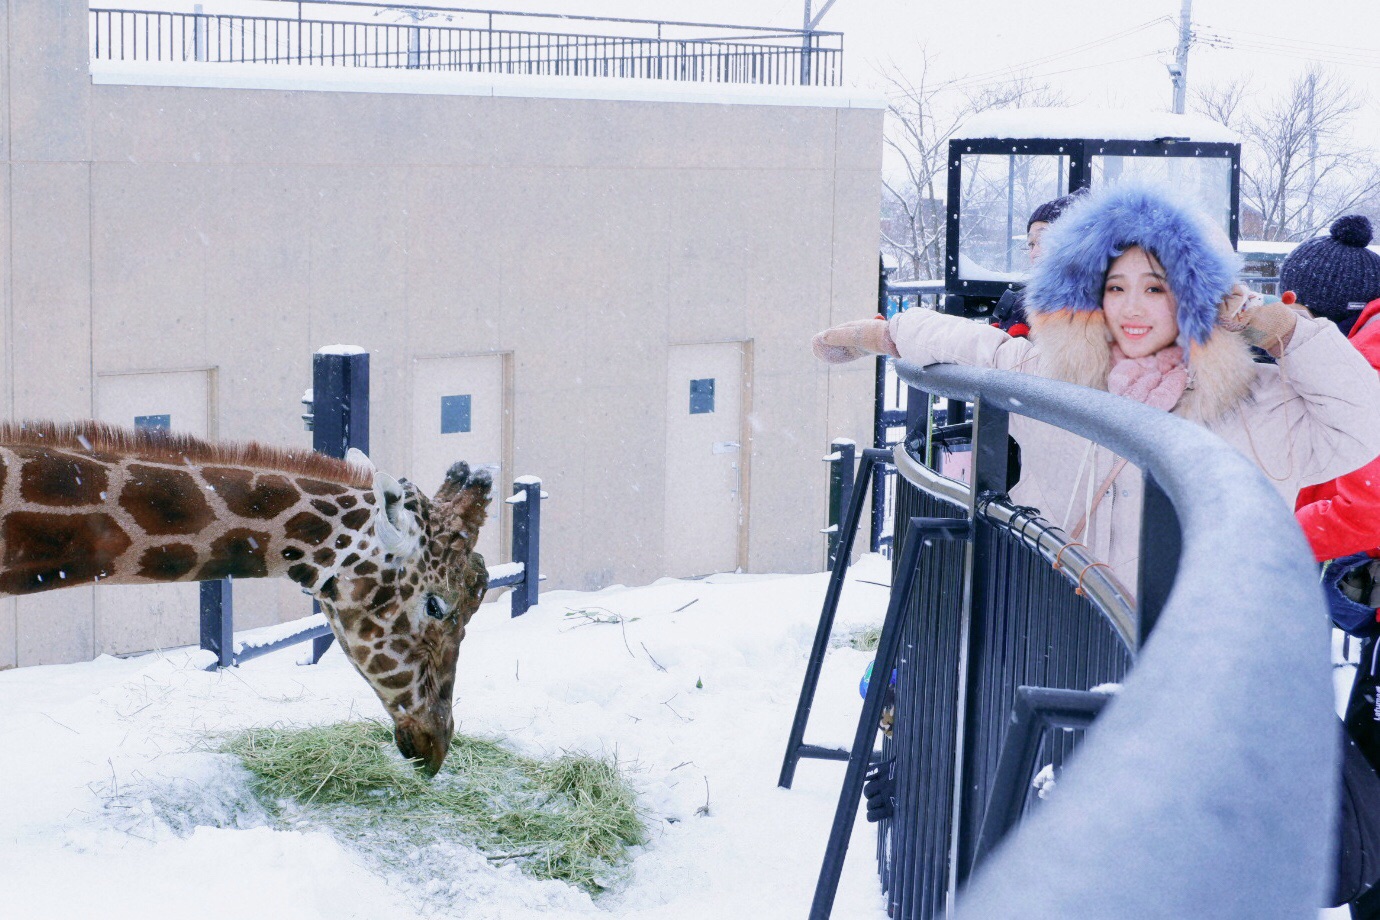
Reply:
x=153, y=422
x=702, y=396
x=1000, y=191
x=1204, y=180
x=455, y=414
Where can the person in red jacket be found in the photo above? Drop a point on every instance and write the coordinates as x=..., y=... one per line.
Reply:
x=1342, y=517
x=1339, y=278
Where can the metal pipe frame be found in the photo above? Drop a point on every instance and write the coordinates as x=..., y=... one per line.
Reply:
x=1111, y=598
x=796, y=748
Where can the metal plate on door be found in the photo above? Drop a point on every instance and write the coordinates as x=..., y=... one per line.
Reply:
x=726, y=447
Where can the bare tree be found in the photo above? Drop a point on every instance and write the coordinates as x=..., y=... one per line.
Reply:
x=1300, y=165
x=922, y=115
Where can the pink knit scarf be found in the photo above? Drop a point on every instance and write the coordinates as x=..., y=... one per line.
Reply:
x=1156, y=380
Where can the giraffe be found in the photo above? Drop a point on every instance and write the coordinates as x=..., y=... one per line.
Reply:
x=394, y=571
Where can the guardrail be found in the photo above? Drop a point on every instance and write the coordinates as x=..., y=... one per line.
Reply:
x=1206, y=788
x=357, y=34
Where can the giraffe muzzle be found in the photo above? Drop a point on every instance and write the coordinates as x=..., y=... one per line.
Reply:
x=425, y=746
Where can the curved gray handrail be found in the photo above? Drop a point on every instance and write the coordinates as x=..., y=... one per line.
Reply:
x=1207, y=787
x=1108, y=595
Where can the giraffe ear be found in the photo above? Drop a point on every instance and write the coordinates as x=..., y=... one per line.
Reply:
x=392, y=522
x=356, y=457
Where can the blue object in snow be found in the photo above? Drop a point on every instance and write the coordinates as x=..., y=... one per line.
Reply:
x=867, y=676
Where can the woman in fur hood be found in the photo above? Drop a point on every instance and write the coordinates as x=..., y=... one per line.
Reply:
x=1136, y=296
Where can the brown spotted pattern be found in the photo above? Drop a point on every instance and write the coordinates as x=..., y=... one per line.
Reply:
x=90, y=503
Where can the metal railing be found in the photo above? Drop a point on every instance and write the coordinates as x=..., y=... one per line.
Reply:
x=1041, y=634
x=889, y=399
x=351, y=34
x=1173, y=807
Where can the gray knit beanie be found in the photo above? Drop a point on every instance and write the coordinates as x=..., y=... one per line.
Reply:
x=1335, y=275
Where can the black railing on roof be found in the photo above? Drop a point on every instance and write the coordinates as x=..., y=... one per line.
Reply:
x=356, y=34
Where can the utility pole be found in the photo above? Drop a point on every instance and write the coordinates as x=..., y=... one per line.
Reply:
x=1179, y=72
x=808, y=41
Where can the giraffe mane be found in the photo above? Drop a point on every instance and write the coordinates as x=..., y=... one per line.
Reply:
x=164, y=447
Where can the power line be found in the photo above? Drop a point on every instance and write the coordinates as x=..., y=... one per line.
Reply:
x=963, y=84
x=1294, y=42
x=1283, y=47
x=1067, y=52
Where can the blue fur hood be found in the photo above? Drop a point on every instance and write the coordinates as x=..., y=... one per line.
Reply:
x=1197, y=258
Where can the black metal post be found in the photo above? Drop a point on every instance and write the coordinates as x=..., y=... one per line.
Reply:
x=218, y=621
x=1161, y=542
x=919, y=532
x=991, y=457
x=1080, y=171
x=848, y=531
x=841, y=477
x=340, y=419
x=879, y=425
x=1035, y=711
x=527, y=542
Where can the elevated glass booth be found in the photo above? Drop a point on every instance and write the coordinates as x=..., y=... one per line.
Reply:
x=1005, y=164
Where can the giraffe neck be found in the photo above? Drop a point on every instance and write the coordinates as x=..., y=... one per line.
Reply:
x=75, y=517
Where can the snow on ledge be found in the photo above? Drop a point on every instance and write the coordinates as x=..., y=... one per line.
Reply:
x=267, y=635
x=340, y=350
x=439, y=83
x=1084, y=121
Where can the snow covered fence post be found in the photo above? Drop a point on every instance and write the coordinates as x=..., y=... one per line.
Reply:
x=218, y=621
x=340, y=419
x=526, y=502
x=843, y=452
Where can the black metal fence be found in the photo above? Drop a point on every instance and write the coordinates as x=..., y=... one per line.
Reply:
x=1036, y=632
x=1003, y=635
x=347, y=34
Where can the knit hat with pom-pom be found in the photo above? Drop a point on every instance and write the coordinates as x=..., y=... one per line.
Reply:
x=1335, y=275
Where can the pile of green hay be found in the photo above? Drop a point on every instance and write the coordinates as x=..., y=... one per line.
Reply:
x=570, y=818
x=863, y=638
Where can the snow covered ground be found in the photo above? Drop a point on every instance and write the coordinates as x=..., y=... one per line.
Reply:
x=694, y=690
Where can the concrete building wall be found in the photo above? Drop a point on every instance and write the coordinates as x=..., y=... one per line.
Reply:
x=175, y=227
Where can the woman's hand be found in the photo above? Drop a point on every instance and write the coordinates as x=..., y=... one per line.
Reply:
x=849, y=341
x=1264, y=325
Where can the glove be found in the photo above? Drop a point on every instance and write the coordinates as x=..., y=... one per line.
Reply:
x=1264, y=325
x=879, y=789
x=1352, y=592
x=861, y=337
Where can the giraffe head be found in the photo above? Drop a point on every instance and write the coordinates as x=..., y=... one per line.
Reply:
x=400, y=602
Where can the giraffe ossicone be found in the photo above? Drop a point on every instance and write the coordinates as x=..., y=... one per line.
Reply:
x=395, y=571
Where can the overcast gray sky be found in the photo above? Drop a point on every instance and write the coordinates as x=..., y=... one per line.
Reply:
x=1100, y=52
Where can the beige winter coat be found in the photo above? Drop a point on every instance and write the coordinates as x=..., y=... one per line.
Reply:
x=1308, y=419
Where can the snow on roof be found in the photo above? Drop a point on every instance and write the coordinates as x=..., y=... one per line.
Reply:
x=1266, y=247
x=450, y=83
x=1104, y=124
x=1279, y=247
x=968, y=270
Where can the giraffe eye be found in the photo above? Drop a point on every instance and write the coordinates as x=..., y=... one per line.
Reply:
x=435, y=607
